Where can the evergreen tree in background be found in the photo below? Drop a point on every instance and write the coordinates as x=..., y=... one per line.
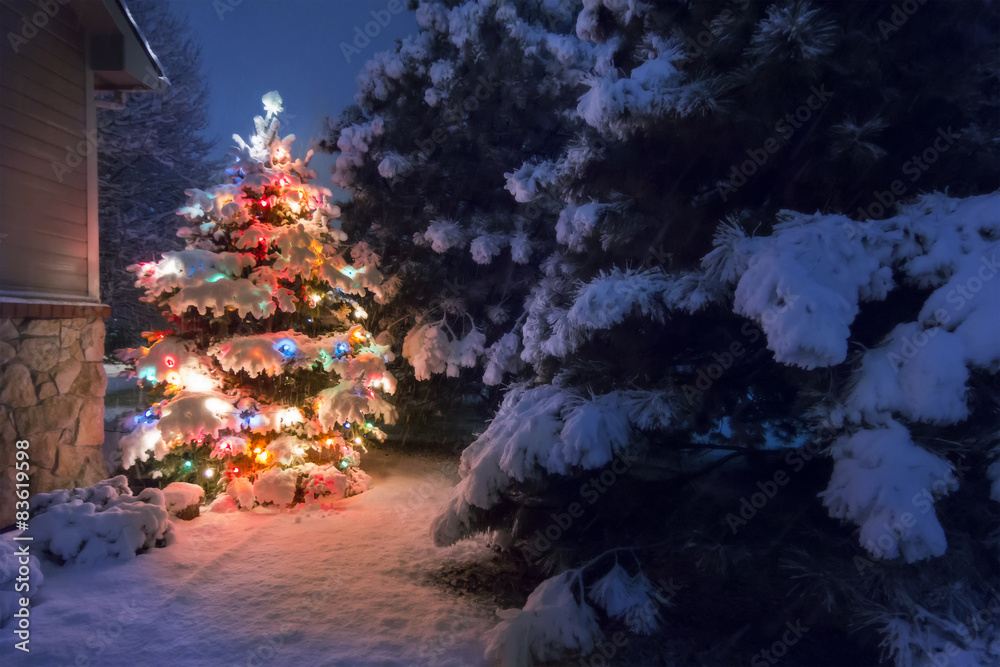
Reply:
x=423, y=154
x=766, y=258
x=149, y=151
x=267, y=385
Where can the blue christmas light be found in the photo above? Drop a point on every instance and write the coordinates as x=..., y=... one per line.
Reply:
x=286, y=346
x=341, y=349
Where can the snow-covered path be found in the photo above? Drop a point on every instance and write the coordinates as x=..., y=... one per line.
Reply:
x=343, y=587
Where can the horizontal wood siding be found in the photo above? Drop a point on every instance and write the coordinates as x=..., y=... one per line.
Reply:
x=44, y=242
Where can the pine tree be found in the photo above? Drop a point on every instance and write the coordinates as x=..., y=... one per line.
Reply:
x=750, y=289
x=267, y=384
x=438, y=122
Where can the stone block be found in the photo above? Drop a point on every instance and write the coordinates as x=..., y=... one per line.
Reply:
x=92, y=381
x=65, y=374
x=56, y=413
x=17, y=390
x=8, y=331
x=7, y=497
x=7, y=352
x=91, y=429
x=43, y=447
x=70, y=333
x=78, y=466
x=47, y=390
x=40, y=328
x=43, y=481
x=7, y=432
x=39, y=354
x=92, y=340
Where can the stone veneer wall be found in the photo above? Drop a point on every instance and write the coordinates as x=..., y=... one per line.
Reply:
x=52, y=385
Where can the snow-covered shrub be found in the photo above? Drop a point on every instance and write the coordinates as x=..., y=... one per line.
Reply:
x=311, y=483
x=322, y=484
x=181, y=495
x=99, y=494
x=276, y=486
x=103, y=522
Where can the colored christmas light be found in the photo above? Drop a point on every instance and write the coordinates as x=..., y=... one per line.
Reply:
x=286, y=346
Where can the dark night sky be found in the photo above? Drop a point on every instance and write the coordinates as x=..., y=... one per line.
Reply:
x=292, y=46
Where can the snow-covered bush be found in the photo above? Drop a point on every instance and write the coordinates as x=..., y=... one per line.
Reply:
x=90, y=525
x=310, y=483
x=182, y=495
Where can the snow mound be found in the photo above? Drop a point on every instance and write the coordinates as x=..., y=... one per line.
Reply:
x=116, y=526
x=179, y=495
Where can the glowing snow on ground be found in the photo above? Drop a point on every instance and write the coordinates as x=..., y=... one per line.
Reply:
x=346, y=586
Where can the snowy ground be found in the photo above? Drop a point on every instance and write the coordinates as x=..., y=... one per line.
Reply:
x=347, y=586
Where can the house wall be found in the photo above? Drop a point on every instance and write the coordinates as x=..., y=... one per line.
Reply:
x=52, y=385
x=48, y=223
x=52, y=381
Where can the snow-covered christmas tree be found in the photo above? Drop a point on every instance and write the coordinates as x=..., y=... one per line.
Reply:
x=268, y=384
